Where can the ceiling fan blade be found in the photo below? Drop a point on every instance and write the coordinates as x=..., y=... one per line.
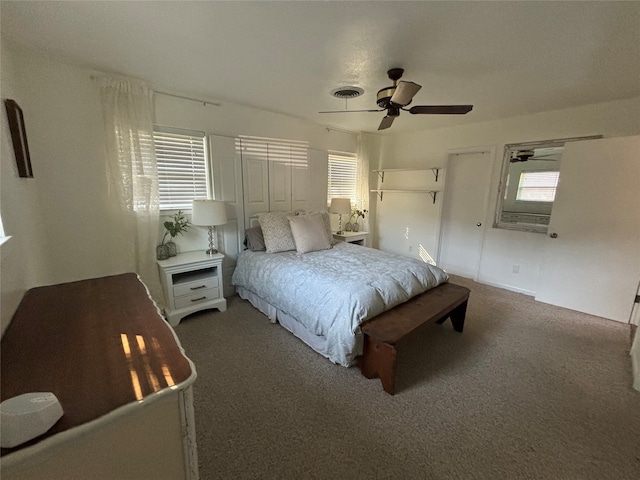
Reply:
x=405, y=92
x=386, y=122
x=351, y=111
x=442, y=109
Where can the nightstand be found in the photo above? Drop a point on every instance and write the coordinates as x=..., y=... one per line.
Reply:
x=359, y=238
x=192, y=281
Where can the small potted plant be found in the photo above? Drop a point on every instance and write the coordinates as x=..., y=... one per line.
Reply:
x=178, y=226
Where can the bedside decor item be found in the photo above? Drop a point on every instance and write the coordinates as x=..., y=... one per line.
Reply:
x=19, y=138
x=358, y=213
x=209, y=213
x=341, y=206
x=178, y=226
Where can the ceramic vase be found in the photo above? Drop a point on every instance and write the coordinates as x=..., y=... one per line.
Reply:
x=162, y=252
x=172, y=249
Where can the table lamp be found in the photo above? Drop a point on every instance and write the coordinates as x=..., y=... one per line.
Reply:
x=209, y=213
x=341, y=206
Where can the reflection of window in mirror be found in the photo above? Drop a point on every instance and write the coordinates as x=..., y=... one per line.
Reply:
x=530, y=176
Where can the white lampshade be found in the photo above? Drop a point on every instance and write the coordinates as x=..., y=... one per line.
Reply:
x=341, y=206
x=208, y=213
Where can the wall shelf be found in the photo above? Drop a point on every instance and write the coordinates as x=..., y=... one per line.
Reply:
x=379, y=192
x=381, y=172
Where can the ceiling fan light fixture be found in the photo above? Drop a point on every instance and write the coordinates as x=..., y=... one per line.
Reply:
x=347, y=92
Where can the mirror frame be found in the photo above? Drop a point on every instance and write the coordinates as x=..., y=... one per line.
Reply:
x=508, y=148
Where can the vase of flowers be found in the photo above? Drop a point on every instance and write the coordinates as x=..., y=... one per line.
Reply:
x=358, y=213
x=178, y=226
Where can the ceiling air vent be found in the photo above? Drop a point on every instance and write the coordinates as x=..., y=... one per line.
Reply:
x=347, y=92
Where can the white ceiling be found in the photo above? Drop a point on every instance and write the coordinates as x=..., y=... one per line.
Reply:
x=505, y=58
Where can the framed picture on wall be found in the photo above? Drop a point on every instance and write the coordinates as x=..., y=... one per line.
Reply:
x=19, y=138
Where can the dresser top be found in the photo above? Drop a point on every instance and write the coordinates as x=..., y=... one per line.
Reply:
x=97, y=344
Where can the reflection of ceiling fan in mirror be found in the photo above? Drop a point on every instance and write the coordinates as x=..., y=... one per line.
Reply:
x=399, y=95
x=545, y=155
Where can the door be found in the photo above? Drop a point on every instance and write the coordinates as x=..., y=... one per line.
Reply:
x=591, y=259
x=464, y=212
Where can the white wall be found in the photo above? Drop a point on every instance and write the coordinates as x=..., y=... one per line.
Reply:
x=59, y=220
x=502, y=248
x=23, y=254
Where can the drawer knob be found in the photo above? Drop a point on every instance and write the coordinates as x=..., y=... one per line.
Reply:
x=198, y=299
x=198, y=288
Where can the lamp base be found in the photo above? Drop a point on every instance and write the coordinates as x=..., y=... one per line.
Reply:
x=212, y=251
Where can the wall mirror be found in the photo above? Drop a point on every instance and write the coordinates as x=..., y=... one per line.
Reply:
x=530, y=176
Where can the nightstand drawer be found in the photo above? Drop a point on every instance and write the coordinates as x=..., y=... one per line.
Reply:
x=201, y=296
x=195, y=287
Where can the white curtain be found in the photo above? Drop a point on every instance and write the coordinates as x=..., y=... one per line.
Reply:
x=362, y=181
x=127, y=108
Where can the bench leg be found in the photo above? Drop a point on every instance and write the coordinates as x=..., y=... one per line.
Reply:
x=457, y=317
x=379, y=360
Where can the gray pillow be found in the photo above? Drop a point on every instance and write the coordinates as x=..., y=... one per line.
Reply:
x=254, y=239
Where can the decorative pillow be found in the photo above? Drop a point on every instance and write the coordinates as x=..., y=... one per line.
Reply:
x=276, y=231
x=327, y=225
x=254, y=239
x=309, y=232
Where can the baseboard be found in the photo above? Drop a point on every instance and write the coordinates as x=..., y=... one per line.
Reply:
x=529, y=293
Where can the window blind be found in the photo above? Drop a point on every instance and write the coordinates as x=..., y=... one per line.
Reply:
x=289, y=152
x=342, y=176
x=537, y=186
x=182, y=167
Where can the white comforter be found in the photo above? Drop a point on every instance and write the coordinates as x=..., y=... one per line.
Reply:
x=331, y=292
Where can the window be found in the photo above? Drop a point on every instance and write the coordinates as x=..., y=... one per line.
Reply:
x=342, y=176
x=183, y=173
x=537, y=186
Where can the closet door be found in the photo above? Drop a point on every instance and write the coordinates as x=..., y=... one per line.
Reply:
x=592, y=257
x=227, y=186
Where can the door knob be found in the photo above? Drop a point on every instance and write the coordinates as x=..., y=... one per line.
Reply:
x=479, y=224
x=553, y=235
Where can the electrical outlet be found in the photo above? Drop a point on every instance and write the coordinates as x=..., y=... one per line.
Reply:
x=515, y=269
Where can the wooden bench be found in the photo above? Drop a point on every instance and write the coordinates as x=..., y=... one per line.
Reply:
x=382, y=333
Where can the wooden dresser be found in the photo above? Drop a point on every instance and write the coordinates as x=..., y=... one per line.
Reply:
x=120, y=374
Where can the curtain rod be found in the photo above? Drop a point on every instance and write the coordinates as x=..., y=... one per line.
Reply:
x=183, y=97
x=203, y=102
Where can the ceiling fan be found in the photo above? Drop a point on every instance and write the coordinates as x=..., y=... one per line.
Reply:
x=526, y=155
x=397, y=97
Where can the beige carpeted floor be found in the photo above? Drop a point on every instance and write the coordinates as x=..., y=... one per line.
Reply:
x=528, y=391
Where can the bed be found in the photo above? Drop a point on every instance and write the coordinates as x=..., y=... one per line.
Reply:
x=323, y=291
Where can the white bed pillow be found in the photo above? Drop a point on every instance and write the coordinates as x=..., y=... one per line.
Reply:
x=310, y=232
x=277, y=232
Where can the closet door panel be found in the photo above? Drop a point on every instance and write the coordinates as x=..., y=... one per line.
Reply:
x=300, y=187
x=279, y=185
x=318, y=177
x=255, y=176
